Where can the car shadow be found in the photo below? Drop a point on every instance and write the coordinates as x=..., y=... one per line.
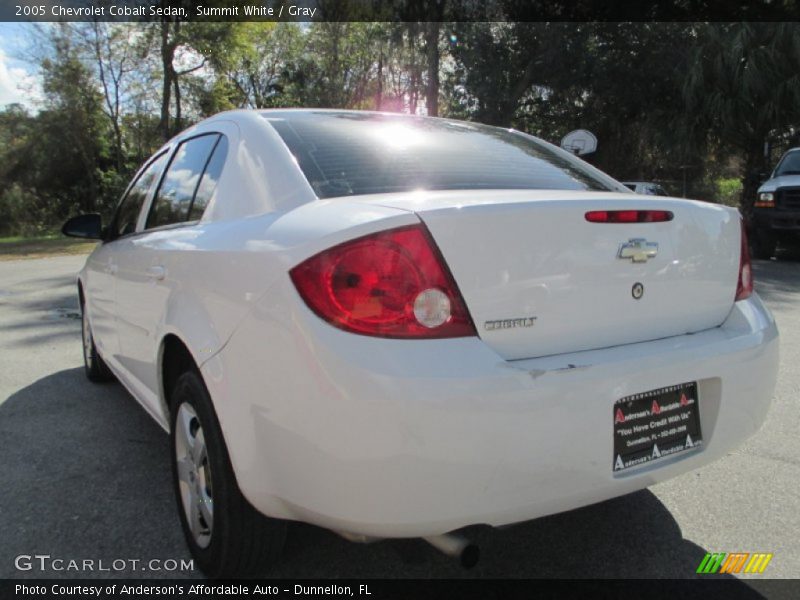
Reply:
x=85, y=475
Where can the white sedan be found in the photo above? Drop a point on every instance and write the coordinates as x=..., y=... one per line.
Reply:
x=394, y=326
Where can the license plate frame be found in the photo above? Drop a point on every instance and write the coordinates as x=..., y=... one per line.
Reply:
x=654, y=425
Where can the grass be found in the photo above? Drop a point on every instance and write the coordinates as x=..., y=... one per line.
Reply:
x=18, y=247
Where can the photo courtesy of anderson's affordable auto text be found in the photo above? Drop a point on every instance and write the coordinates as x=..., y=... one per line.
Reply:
x=390, y=300
x=197, y=590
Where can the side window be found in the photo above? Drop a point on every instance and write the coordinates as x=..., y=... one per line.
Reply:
x=131, y=205
x=208, y=183
x=177, y=190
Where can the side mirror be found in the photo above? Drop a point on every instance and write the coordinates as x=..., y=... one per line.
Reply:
x=84, y=226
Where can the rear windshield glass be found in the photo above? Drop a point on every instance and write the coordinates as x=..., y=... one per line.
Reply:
x=344, y=154
x=789, y=165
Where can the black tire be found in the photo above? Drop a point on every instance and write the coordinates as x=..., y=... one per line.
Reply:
x=94, y=366
x=762, y=245
x=239, y=541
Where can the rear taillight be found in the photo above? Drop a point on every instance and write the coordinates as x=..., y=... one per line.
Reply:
x=628, y=216
x=391, y=284
x=745, y=285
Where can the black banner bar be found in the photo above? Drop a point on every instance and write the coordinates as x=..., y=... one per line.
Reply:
x=464, y=589
x=399, y=10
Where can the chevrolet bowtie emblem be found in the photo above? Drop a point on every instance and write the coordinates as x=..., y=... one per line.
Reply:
x=638, y=250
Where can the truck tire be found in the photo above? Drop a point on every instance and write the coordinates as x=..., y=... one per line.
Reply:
x=762, y=245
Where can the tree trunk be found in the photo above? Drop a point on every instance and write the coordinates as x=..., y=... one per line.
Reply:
x=379, y=95
x=432, y=51
x=414, y=76
x=177, y=126
x=112, y=104
x=167, y=55
x=751, y=178
x=120, y=161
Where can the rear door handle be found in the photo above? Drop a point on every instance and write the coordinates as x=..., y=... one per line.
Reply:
x=157, y=272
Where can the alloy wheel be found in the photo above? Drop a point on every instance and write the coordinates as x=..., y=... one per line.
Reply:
x=194, y=475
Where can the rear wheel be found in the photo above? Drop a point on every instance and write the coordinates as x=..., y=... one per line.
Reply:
x=225, y=534
x=763, y=244
x=94, y=366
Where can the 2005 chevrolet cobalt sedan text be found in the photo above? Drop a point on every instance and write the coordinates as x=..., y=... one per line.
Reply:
x=394, y=326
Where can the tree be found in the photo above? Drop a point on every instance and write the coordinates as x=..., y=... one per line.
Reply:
x=743, y=87
x=338, y=66
x=183, y=49
x=74, y=118
x=111, y=47
x=498, y=64
x=432, y=53
x=255, y=70
x=627, y=81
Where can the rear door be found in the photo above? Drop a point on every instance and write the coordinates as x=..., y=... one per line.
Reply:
x=147, y=261
x=101, y=279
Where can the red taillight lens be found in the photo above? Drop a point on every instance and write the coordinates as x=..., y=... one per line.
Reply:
x=628, y=216
x=744, y=287
x=390, y=284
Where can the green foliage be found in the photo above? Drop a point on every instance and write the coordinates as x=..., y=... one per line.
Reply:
x=22, y=212
x=56, y=162
x=729, y=191
x=743, y=87
x=337, y=67
x=256, y=69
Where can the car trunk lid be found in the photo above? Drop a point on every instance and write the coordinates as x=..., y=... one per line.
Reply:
x=539, y=279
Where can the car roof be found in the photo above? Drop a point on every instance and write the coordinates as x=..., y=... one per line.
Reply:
x=288, y=112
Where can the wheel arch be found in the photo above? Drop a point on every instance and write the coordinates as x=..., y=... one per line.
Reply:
x=189, y=335
x=174, y=359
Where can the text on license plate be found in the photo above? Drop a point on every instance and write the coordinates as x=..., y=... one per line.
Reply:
x=656, y=424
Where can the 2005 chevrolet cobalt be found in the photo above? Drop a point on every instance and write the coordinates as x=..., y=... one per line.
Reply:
x=394, y=326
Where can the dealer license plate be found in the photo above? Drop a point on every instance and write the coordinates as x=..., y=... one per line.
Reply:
x=656, y=424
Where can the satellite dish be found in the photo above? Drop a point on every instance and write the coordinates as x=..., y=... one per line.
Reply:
x=579, y=142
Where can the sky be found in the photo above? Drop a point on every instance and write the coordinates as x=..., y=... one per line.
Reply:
x=18, y=81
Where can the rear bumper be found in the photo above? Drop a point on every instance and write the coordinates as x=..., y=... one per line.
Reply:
x=396, y=438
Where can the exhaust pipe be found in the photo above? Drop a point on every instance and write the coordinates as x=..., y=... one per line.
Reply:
x=357, y=538
x=456, y=546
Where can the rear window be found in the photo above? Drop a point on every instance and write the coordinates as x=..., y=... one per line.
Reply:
x=344, y=154
x=175, y=196
x=128, y=211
